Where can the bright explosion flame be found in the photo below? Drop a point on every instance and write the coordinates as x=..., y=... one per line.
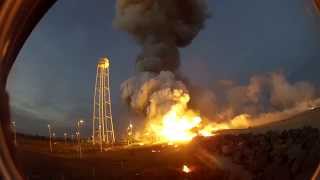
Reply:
x=177, y=125
x=181, y=125
x=186, y=169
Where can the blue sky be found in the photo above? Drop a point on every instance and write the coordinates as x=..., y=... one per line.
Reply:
x=53, y=77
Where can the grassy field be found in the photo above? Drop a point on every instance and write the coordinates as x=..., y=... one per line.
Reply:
x=138, y=162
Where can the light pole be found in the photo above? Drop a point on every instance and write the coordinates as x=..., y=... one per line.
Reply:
x=50, y=141
x=79, y=124
x=14, y=132
x=79, y=144
x=65, y=138
x=130, y=133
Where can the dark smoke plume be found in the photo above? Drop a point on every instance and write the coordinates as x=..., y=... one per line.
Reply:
x=161, y=27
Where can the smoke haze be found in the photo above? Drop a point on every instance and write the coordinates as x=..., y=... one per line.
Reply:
x=266, y=98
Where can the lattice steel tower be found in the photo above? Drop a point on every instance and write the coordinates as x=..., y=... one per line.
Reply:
x=102, y=125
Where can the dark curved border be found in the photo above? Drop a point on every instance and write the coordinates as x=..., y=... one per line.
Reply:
x=17, y=20
x=317, y=3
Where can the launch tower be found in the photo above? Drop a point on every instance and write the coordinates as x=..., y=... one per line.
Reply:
x=102, y=124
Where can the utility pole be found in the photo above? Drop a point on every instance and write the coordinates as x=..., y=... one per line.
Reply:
x=79, y=124
x=130, y=133
x=50, y=138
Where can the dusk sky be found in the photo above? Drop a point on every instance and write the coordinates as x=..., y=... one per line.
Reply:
x=52, y=80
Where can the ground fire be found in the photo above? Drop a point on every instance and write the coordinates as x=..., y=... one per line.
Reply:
x=180, y=124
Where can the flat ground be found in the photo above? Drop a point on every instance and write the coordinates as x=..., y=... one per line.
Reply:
x=212, y=158
x=140, y=162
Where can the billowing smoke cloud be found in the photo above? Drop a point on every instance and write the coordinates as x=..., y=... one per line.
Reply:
x=266, y=98
x=271, y=92
x=152, y=93
x=160, y=27
x=285, y=95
